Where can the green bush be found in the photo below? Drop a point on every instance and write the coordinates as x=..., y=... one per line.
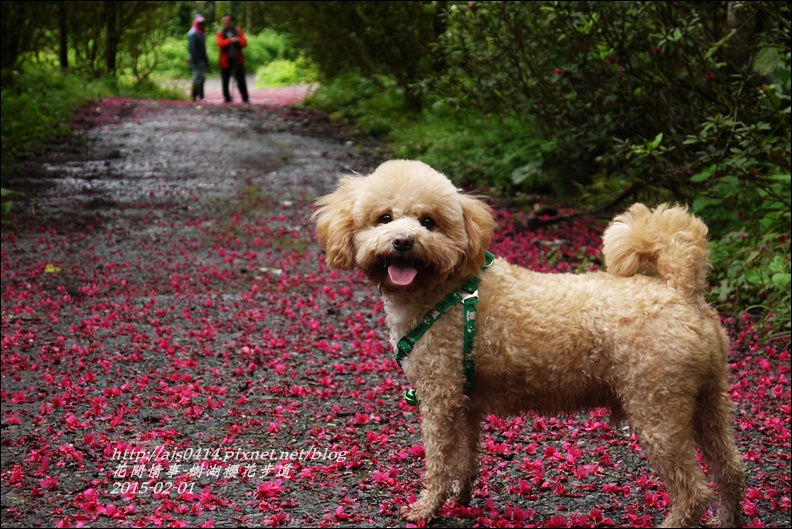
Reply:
x=284, y=72
x=172, y=59
x=750, y=227
x=606, y=103
x=372, y=38
x=477, y=151
x=272, y=45
x=602, y=91
x=373, y=104
x=37, y=102
x=264, y=48
x=653, y=101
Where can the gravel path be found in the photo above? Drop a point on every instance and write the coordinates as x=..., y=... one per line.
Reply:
x=175, y=352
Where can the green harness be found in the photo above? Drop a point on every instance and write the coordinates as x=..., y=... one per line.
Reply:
x=469, y=301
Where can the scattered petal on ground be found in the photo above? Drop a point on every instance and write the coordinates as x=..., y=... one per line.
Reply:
x=175, y=352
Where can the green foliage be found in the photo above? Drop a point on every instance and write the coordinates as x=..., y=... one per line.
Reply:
x=100, y=38
x=36, y=103
x=656, y=101
x=750, y=227
x=605, y=103
x=22, y=30
x=482, y=152
x=172, y=58
x=603, y=79
x=373, y=104
x=476, y=150
x=272, y=45
x=266, y=47
x=371, y=38
x=262, y=49
x=283, y=72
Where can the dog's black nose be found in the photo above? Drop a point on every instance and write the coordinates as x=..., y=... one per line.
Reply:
x=403, y=242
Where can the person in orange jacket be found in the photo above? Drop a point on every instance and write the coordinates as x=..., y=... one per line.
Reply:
x=231, y=40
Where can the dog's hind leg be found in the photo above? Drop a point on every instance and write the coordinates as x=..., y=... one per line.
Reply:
x=714, y=435
x=664, y=425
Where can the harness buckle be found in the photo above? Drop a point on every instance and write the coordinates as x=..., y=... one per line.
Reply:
x=470, y=295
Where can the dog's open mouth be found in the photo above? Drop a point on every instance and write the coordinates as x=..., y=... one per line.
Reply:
x=402, y=273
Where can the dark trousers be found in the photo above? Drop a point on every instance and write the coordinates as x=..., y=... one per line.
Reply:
x=238, y=71
x=198, y=77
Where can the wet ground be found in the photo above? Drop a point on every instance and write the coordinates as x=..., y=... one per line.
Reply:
x=176, y=353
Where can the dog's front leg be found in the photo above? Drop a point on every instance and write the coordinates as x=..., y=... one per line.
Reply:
x=467, y=462
x=445, y=444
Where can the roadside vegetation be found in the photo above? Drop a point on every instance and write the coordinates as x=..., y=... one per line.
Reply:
x=595, y=104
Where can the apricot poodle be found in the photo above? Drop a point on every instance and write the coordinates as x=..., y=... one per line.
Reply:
x=639, y=338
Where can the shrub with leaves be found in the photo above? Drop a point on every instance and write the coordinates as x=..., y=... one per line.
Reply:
x=283, y=72
x=677, y=101
x=372, y=38
x=373, y=103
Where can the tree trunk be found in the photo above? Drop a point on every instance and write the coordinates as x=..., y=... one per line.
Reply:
x=736, y=19
x=248, y=17
x=221, y=9
x=17, y=31
x=63, y=50
x=412, y=98
x=113, y=36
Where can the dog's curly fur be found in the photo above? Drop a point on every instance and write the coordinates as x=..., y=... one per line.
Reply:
x=639, y=338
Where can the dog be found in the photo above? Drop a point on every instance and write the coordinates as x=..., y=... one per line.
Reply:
x=639, y=338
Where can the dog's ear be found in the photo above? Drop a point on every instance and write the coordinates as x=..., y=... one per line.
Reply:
x=335, y=225
x=479, y=225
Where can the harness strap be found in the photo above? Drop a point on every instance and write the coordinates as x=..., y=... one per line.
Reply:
x=469, y=301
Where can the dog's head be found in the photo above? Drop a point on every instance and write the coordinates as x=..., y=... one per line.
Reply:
x=405, y=225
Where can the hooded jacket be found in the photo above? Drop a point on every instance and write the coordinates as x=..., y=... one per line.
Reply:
x=196, y=45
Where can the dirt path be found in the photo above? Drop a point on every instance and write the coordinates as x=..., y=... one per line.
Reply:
x=175, y=352
x=168, y=292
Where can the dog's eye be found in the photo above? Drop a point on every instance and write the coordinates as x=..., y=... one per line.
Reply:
x=384, y=219
x=428, y=223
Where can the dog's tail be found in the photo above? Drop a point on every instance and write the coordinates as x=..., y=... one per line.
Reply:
x=668, y=241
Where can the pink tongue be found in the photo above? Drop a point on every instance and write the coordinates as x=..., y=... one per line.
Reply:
x=402, y=275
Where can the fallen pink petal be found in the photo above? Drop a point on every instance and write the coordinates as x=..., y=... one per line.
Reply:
x=193, y=362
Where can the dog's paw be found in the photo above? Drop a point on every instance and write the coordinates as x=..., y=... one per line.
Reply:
x=714, y=522
x=461, y=492
x=416, y=511
x=719, y=521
